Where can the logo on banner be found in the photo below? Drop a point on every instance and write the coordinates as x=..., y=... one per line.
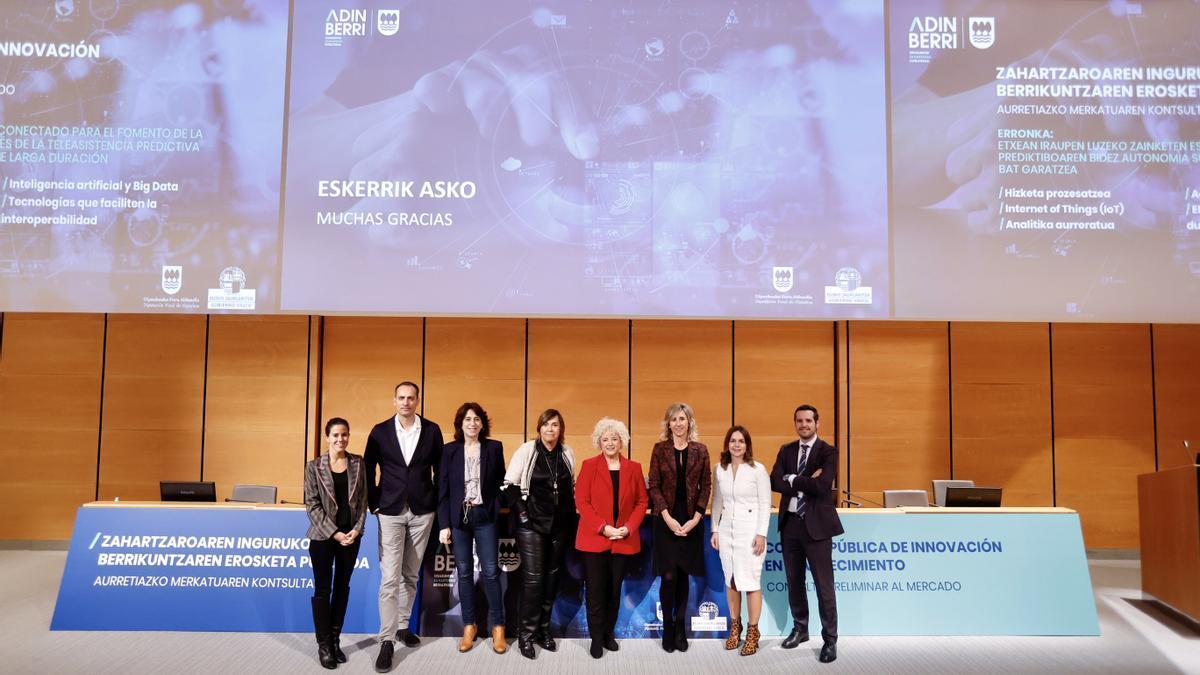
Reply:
x=443, y=568
x=387, y=21
x=344, y=23
x=172, y=279
x=781, y=278
x=847, y=289
x=510, y=558
x=982, y=31
x=710, y=618
x=232, y=293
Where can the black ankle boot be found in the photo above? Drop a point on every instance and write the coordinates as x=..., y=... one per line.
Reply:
x=335, y=642
x=324, y=630
x=681, y=641
x=668, y=635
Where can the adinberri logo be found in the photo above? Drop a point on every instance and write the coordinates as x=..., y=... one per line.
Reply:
x=341, y=24
x=928, y=35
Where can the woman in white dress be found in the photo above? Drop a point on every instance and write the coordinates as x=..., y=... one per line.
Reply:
x=741, y=513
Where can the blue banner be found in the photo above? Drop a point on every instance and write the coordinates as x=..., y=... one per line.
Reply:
x=247, y=569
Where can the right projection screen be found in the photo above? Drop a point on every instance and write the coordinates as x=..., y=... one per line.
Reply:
x=1043, y=160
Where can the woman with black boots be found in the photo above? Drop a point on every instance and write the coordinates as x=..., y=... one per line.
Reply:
x=680, y=483
x=335, y=494
x=539, y=487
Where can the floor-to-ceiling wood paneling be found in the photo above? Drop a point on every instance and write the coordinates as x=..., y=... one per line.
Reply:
x=364, y=358
x=1177, y=393
x=153, y=403
x=581, y=368
x=688, y=361
x=49, y=415
x=480, y=360
x=899, y=406
x=1103, y=426
x=1000, y=388
x=257, y=393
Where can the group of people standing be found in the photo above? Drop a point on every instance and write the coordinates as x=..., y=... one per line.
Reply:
x=407, y=477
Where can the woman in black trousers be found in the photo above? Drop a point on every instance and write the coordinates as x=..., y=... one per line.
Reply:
x=335, y=496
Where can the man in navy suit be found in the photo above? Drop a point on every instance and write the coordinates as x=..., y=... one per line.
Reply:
x=804, y=475
x=407, y=450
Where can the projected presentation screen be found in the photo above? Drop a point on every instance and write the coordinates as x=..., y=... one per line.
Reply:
x=140, y=152
x=1044, y=160
x=701, y=158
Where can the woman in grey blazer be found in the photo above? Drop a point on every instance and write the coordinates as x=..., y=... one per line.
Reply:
x=335, y=495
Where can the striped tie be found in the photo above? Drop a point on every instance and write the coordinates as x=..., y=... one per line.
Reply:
x=801, y=505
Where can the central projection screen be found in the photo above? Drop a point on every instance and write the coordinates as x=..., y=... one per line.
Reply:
x=777, y=159
x=594, y=158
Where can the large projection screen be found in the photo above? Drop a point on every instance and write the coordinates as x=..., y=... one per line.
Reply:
x=700, y=158
x=140, y=148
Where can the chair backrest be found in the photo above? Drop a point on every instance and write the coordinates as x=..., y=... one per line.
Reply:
x=259, y=494
x=939, y=489
x=894, y=498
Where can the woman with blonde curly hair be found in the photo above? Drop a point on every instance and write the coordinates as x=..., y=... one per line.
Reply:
x=610, y=495
x=680, y=483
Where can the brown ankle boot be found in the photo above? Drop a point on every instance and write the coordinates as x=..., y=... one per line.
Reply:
x=468, y=638
x=752, y=636
x=499, y=645
x=735, y=634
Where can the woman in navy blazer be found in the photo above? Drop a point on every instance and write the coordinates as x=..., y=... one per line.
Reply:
x=469, y=479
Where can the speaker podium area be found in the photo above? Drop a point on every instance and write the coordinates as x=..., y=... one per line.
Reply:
x=1169, y=520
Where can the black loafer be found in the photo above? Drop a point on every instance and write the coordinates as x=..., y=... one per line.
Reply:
x=408, y=637
x=383, y=663
x=794, y=639
x=828, y=653
x=548, y=643
x=526, y=648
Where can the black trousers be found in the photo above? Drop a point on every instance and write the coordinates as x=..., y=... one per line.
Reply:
x=541, y=562
x=673, y=597
x=799, y=547
x=332, y=566
x=603, y=573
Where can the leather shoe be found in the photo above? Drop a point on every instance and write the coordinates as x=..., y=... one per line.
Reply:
x=526, y=647
x=336, y=646
x=325, y=655
x=828, y=653
x=383, y=663
x=408, y=637
x=468, y=637
x=610, y=643
x=548, y=643
x=794, y=639
x=499, y=643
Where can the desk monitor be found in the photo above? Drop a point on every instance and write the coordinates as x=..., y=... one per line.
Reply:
x=972, y=496
x=187, y=491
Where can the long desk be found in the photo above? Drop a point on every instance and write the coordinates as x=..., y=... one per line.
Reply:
x=906, y=571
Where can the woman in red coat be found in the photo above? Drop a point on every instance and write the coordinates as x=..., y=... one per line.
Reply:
x=610, y=494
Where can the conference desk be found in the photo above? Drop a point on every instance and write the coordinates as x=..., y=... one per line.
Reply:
x=903, y=571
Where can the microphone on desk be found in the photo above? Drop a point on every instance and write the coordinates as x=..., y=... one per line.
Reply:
x=851, y=497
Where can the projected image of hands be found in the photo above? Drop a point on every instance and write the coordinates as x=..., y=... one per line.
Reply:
x=674, y=159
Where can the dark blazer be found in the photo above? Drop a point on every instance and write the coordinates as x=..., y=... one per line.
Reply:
x=321, y=502
x=821, y=514
x=413, y=485
x=594, y=499
x=662, y=477
x=452, y=489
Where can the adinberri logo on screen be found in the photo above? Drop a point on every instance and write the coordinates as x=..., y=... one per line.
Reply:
x=928, y=35
x=232, y=293
x=352, y=23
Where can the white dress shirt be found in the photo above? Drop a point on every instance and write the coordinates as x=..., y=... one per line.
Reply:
x=408, y=437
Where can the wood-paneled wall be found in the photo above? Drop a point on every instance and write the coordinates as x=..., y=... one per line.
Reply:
x=1065, y=414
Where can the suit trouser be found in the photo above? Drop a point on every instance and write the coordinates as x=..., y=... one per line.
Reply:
x=402, y=542
x=541, y=560
x=799, y=547
x=603, y=573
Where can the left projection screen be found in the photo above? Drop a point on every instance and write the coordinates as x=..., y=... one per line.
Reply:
x=700, y=159
x=140, y=147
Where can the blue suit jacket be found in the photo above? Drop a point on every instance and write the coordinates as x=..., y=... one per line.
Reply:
x=451, y=486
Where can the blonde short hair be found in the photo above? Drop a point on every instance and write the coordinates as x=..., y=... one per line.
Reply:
x=607, y=425
x=673, y=410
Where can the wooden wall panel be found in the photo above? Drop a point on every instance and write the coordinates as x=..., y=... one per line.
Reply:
x=1103, y=426
x=1000, y=388
x=153, y=403
x=779, y=365
x=50, y=413
x=481, y=360
x=899, y=412
x=364, y=358
x=689, y=361
x=580, y=367
x=257, y=393
x=1177, y=391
